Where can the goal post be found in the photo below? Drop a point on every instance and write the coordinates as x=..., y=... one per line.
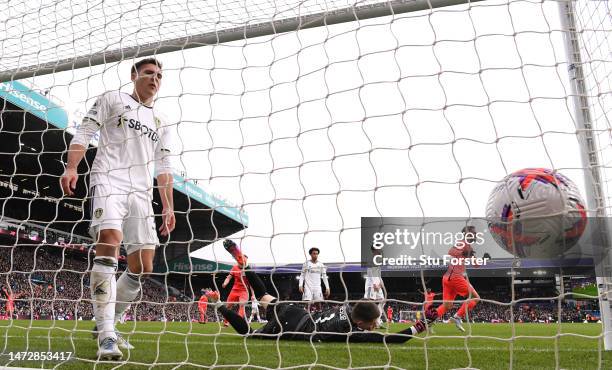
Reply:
x=589, y=151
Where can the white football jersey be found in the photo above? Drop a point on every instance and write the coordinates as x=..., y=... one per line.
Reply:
x=135, y=142
x=312, y=273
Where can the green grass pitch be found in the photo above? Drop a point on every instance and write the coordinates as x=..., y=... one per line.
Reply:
x=187, y=346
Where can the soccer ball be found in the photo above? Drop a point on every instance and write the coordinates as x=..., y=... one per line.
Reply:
x=536, y=213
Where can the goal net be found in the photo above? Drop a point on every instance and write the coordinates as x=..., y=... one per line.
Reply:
x=293, y=120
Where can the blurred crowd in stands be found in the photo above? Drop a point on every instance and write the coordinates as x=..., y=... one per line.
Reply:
x=54, y=284
x=51, y=282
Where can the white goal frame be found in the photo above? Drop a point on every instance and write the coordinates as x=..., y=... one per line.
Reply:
x=349, y=14
x=591, y=162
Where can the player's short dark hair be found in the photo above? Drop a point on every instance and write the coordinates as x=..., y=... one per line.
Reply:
x=365, y=311
x=140, y=63
x=313, y=249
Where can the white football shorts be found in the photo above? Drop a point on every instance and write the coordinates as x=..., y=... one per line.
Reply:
x=131, y=213
x=311, y=294
x=372, y=294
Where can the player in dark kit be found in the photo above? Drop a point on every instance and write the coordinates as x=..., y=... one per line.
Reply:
x=290, y=321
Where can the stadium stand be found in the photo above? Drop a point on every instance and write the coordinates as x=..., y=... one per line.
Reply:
x=50, y=282
x=32, y=160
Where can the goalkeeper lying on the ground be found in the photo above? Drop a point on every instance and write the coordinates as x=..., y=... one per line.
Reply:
x=293, y=322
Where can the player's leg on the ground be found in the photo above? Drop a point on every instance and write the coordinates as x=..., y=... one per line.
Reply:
x=103, y=287
x=231, y=298
x=238, y=323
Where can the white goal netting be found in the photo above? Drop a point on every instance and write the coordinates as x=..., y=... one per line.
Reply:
x=293, y=120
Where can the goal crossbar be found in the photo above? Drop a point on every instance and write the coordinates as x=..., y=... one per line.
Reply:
x=319, y=19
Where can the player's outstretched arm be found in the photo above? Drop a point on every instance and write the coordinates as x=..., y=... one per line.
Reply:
x=399, y=337
x=376, y=337
x=226, y=281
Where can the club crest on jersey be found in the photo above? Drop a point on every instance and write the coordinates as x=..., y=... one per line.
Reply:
x=93, y=110
x=98, y=212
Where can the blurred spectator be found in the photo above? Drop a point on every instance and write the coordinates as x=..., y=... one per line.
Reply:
x=51, y=282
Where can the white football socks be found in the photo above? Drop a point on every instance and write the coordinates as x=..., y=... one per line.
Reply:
x=103, y=286
x=128, y=289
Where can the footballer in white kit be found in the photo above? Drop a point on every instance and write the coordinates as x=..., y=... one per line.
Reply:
x=134, y=141
x=135, y=145
x=254, y=309
x=375, y=290
x=313, y=271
